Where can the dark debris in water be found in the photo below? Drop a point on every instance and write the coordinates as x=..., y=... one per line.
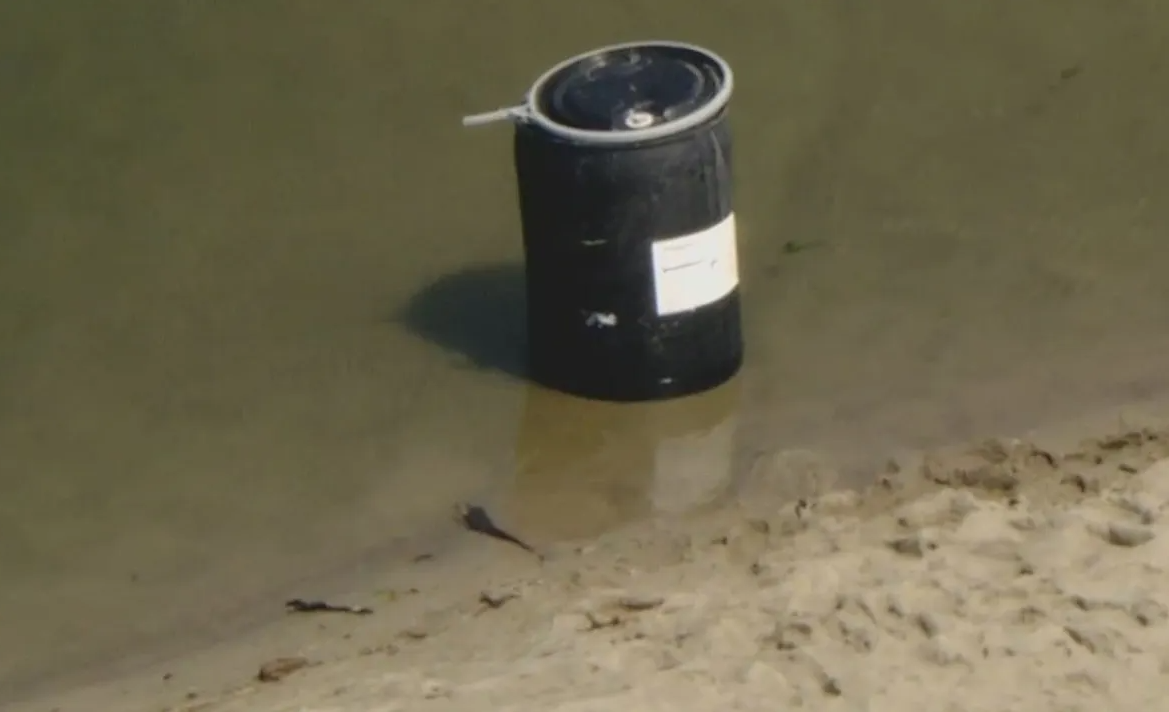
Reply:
x=298, y=605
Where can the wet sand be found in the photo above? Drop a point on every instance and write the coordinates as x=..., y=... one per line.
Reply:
x=1010, y=573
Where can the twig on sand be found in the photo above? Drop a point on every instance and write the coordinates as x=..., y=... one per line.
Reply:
x=298, y=605
x=474, y=518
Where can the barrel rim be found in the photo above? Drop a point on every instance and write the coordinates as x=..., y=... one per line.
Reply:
x=704, y=113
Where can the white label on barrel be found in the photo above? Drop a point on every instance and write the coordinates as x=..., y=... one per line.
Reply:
x=697, y=269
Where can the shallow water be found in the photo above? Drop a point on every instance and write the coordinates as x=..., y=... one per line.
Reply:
x=261, y=301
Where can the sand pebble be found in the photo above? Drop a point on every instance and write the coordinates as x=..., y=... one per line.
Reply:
x=1148, y=612
x=944, y=651
x=1144, y=505
x=916, y=545
x=1154, y=480
x=942, y=507
x=1125, y=534
x=280, y=668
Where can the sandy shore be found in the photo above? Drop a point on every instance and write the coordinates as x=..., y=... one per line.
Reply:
x=1005, y=575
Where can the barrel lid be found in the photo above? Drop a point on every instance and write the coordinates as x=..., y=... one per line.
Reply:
x=626, y=93
x=629, y=89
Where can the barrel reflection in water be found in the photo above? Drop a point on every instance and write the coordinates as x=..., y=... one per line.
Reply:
x=585, y=466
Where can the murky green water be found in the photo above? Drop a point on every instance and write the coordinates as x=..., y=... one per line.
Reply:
x=259, y=290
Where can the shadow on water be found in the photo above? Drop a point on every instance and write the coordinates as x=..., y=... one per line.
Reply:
x=477, y=313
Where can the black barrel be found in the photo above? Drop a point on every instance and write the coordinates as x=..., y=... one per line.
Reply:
x=623, y=159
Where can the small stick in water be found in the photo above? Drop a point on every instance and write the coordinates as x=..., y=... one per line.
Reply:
x=476, y=519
